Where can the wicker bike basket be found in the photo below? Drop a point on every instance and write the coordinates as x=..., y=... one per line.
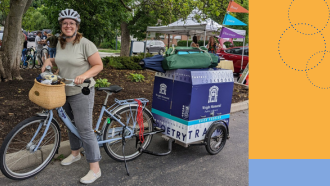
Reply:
x=48, y=96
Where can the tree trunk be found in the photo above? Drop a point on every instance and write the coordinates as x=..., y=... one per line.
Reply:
x=13, y=41
x=125, y=39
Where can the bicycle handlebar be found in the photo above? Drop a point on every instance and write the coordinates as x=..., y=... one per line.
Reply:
x=72, y=82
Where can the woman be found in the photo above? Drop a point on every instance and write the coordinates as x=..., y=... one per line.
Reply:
x=194, y=43
x=212, y=45
x=78, y=58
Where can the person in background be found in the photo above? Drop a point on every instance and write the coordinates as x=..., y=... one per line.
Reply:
x=194, y=42
x=24, y=47
x=39, y=45
x=78, y=58
x=52, y=42
x=212, y=45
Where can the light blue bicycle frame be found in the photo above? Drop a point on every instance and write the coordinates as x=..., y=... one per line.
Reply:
x=119, y=103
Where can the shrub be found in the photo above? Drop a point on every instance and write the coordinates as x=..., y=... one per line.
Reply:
x=102, y=83
x=131, y=63
x=110, y=44
x=184, y=43
x=136, y=77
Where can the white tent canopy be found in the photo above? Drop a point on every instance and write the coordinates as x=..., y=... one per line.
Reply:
x=190, y=26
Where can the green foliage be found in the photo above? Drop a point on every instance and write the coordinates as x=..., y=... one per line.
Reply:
x=184, y=43
x=135, y=77
x=110, y=44
x=102, y=83
x=99, y=18
x=130, y=63
x=34, y=19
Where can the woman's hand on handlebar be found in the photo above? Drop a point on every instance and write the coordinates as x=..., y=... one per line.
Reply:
x=47, y=63
x=80, y=79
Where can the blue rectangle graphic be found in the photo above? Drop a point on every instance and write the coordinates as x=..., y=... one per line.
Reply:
x=289, y=172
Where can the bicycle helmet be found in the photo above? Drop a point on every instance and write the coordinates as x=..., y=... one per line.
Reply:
x=69, y=14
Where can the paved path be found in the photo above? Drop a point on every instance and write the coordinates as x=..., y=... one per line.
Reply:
x=184, y=166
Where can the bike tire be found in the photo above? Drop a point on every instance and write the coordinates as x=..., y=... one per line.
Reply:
x=24, y=164
x=44, y=52
x=216, y=138
x=114, y=130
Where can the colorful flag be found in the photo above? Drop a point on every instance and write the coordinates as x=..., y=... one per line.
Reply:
x=226, y=33
x=234, y=7
x=230, y=20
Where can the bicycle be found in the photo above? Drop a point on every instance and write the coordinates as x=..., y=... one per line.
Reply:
x=35, y=140
x=28, y=59
x=43, y=55
x=119, y=135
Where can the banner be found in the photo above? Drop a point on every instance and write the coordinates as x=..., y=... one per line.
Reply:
x=234, y=7
x=226, y=33
x=230, y=20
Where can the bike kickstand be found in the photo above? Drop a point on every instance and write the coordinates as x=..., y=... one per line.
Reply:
x=124, y=142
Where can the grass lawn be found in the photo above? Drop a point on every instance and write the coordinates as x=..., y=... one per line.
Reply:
x=109, y=50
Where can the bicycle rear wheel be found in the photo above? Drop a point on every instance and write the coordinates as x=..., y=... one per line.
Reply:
x=17, y=159
x=114, y=130
x=41, y=58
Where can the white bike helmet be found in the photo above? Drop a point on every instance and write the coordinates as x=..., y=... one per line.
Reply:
x=69, y=14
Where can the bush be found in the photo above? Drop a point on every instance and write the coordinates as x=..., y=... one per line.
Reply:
x=184, y=43
x=136, y=77
x=102, y=83
x=130, y=63
x=110, y=44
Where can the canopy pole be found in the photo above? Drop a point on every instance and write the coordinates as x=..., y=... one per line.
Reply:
x=168, y=40
x=145, y=45
x=242, y=53
x=204, y=36
x=187, y=40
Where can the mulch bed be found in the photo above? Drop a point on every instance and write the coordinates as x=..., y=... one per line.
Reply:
x=16, y=106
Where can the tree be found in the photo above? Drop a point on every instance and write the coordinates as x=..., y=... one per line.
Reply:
x=148, y=13
x=12, y=44
x=34, y=19
x=99, y=18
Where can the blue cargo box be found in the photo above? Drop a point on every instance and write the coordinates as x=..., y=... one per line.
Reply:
x=191, y=94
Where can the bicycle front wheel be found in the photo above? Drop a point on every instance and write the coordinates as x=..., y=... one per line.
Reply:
x=114, y=130
x=18, y=161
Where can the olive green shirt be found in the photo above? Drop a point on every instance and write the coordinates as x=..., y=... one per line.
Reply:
x=72, y=62
x=52, y=41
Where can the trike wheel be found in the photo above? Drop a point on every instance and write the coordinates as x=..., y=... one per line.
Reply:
x=216, y=138
x=114, y=130
x=17, y=159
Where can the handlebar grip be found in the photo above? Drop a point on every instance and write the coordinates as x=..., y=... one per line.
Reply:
x=87, y=81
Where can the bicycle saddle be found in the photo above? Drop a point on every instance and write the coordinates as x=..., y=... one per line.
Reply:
x=111, y=88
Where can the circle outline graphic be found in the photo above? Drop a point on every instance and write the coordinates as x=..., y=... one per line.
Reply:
x=318, y=31
x=308, y=70
x=290, y=67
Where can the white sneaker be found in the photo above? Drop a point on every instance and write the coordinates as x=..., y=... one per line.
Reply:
x=90, y=177
x=70, y=159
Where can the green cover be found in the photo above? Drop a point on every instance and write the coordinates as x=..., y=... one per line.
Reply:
x=196, y=60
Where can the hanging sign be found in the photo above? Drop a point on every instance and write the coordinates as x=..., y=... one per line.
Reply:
x=226, y=33
x=230, y=20
x=234, y=7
